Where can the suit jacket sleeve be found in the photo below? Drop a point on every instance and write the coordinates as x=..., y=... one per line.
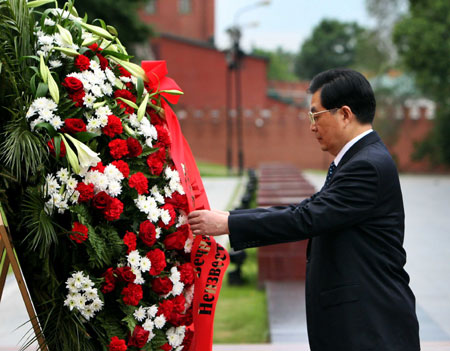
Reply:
x=349, y=199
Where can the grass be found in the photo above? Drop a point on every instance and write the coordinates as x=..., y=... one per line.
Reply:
x=241, y=312
x=209, y=169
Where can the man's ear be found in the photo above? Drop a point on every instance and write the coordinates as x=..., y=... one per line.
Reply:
x=347, y=113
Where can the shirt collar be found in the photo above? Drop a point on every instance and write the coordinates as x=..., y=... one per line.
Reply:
x=349, y=145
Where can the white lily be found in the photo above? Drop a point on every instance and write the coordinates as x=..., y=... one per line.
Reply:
x=86, y=156
x=71, y=157
x=134, y=69
x=65, y=35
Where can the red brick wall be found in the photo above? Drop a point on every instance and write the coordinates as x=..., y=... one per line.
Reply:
x=198, y=24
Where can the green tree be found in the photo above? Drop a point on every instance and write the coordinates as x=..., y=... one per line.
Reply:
x=423, y=42
x=122, y=14
x=281, y=64
x=331, y=44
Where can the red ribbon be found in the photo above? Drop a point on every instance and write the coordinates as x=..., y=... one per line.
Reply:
x=209, y=258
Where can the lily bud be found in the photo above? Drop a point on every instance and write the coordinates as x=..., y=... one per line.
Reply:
x=172, y=92
x=99, y=104
x=129, y=103
x=128, y=130
x=65, y=35
x=38, y=3
x=97, y=30
x=112, y=30
x=43, y=69
x=142, y=108
x=53, y=87
x=68, y=52
x=134, y=69
x=89, y=41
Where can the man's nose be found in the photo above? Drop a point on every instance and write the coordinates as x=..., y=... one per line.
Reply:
x=312, y=127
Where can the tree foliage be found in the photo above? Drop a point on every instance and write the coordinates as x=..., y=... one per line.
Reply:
x=422, y=38
x=281, y=64
x=331, y=44
x=122, y=14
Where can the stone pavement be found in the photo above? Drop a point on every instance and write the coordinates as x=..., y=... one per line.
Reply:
x=427, y=242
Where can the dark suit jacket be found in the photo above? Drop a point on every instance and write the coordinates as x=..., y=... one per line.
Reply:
x=357, y=293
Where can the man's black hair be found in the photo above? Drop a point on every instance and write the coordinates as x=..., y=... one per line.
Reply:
x=341, y=87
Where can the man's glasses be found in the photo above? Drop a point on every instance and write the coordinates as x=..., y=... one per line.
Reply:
x=312, y=115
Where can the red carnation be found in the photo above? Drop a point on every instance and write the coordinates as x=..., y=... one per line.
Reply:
x=129, y=239
x=155, y=161
x=124, y=72
x=178, y=201
x=123, y=167
x=118, y=148
x=82, y=62
x=147, y=233
x=177, y=240
x=114, y=209
x=139, y=337
x=78, y=97
x=163, y=136
x=132, y=294
x=62, y=148
x=188, y=336
x=94, y=48
x=187, y=273
x=134, y=147
x=79, y=232
x=100, y=200
x=158, y=260
x=117, y=344
x=72, y=84
x=139, y=182
x=166, y=347
x=103, y=61
x=86, y=191
x=125, y=274
x=110, y=281
x=125, y=94
x=100, y=167
x=172, y=214
x=165, y=308
x=162, y=286
x=179, y=303
x=113, y=127
x=73, y=125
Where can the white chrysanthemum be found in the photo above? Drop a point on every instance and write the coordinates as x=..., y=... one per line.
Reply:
x=148, y=325
x=56, y=122
x=147, y=129
x=87, y=283
x=152, y=311
x=70, y=284
x=149, y=142
x=45, y=40
x=30, y=113
x=188, y=245
x=174, y=275
x=143, y=204
x=134, y=259
x=97, y=91
x=34, y=123
x=93, y=125
x=165, y=216
x=63, y=175
x=62, y=206
x=175, y=336
x=103, y=121
x=89, y=100
x=179, y=189
x=80, y=301
x=139, y=278
x=110, y=75
x=113, y=173
x=168, y=192
x=46, y=114
x=140, y=314
x=173, y=184
x=94, y=65
x=87, y=312
x=177, y=288
x=74, y=197
x=182, y=220
x=52, y=184
x=107, y=89
x=179, y=348
x=114, y=189
x=55, y=63
x=49, y=22
x=91, y=293
x=146, y=264
x=154, y=214
x=70, y=302
x=160, y=321
x=43, y=103
x=103, y=111
x=157, y=195
x=125, y=79
x=72, y=183
x=133, y=120
x=97, y=305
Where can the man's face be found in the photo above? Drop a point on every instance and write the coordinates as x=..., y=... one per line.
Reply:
x=328, y=128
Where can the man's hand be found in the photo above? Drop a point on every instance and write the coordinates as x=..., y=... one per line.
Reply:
x=205, y=222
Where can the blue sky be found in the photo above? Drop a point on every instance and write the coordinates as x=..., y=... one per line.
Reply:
x=284, y=23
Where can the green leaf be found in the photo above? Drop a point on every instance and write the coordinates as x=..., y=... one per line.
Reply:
x=42, y=90
x=159, y=339
x=140, y=87
x=131, y=322
x=48, y=127
x=57, y=145
x=129, y=103
x=86, y=136
x=116, y=54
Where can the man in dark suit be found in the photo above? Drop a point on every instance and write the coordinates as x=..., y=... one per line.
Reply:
x=357, y=293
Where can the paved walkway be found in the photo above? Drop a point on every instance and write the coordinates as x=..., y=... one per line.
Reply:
x=427, y=242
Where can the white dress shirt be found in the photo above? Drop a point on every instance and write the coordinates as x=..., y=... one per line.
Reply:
x=349, y=145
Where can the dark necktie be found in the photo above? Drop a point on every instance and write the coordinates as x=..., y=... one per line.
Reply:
x=330, y=174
